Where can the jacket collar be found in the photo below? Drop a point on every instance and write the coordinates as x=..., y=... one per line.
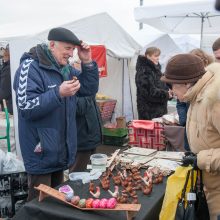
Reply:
x=143, y=61
x=43, y=59
x=38, y=53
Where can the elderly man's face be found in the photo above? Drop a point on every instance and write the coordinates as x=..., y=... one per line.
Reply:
x=217, y=55
x=180, y=90
x=62, y=51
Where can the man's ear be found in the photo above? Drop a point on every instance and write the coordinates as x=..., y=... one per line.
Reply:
x=52, y=44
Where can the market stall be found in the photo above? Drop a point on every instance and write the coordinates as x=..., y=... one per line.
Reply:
x=54, y=209
x=129, y=163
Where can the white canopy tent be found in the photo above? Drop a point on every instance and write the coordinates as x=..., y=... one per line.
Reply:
x=194, y=17
x=208, y=40
x=186, y=42
x=120, y=49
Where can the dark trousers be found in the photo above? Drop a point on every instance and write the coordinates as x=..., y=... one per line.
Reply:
x=82, y=159
x=49, y=179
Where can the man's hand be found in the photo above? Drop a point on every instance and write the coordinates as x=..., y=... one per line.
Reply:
x=190, y=159
x=170, y=92
x=84, y=53
x=69, y=88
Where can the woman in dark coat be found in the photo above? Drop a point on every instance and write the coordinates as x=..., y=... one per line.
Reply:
x=152, y=94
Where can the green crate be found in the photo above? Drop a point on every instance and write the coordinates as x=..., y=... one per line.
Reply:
x=115, y=132
x=117, y=141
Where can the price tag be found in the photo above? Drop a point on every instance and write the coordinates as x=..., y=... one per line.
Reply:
x=191, y=196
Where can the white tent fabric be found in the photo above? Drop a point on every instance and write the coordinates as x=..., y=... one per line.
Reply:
x=146, y=35
x=208, y=40
x=185, y=42
x=155, y=15
x=181, y=17
x=120, y=49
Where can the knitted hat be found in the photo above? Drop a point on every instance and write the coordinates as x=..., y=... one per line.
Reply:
x=183, y=68
x=64, y=35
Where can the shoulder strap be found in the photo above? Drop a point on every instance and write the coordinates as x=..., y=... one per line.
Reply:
x=185, y=185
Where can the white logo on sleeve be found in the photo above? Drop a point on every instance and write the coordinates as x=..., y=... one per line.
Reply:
x=52, y=86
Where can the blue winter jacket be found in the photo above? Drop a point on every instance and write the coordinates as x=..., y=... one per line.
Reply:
x=182, y=109
x=46, y=122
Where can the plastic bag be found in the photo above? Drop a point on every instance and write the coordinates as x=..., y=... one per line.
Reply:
x=12, y=164
x=86, y=177
x=175, y=184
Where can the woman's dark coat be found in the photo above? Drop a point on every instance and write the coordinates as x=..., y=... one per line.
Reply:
x=152, y=95
x=5, y=86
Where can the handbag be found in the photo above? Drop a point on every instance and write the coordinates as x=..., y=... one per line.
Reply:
x=195, y=207
x=190, y=212
x=180, y=210
x=201, y=206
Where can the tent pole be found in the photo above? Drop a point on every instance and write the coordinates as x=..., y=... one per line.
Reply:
x=201, y=33
x=123, y=81
x=141, y=24
x=132, y=107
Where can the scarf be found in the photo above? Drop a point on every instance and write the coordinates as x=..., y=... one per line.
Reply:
x=64, y=70
x=195, y=92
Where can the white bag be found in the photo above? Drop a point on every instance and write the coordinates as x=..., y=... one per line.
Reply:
x=12, y=164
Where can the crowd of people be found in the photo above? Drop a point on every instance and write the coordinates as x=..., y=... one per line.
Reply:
x=194, y=78
x=49, y=88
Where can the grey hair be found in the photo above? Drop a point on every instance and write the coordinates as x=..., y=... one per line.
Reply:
x=55, y=42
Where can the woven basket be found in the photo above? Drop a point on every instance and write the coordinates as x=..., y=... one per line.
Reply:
x=106, y=108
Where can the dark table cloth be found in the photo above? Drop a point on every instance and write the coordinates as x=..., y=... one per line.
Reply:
x=52, y=209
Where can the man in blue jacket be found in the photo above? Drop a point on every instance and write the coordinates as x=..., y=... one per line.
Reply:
x=46, y=87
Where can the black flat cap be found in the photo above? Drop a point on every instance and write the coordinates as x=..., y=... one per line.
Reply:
x=64, y=35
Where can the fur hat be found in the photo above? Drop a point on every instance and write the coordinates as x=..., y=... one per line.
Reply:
x=64, y=35
x=183, y=68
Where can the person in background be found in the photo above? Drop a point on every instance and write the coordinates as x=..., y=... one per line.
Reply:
x=5, y=81
x=152, y=94
x=216, y=50
x=198, y=86
x=182, y=107
x=206, y=58
x=46, y=86
x=89, y=128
